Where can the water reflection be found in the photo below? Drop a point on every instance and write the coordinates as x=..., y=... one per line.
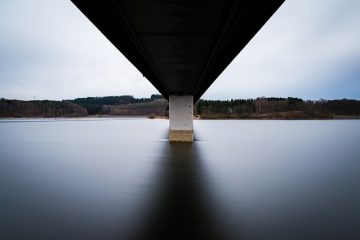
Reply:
x=181, y=206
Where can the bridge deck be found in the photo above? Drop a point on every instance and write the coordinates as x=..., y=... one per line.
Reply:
x=181, y=47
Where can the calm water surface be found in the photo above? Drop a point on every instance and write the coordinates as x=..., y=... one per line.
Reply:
x=121, y=179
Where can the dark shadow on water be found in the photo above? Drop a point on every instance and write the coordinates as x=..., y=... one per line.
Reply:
x=180, y=208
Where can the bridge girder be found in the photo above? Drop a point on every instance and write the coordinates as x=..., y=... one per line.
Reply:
x=180, y=46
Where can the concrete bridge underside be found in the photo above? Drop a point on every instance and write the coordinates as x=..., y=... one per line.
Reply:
x=180, y=46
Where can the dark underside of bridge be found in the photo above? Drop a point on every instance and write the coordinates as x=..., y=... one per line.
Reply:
x=180, y=46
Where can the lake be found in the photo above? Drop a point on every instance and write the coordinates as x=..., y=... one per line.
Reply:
x=119, y=178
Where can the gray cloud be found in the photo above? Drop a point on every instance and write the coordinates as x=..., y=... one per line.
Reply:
x=309, y=49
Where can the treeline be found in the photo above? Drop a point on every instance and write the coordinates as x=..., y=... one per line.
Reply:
x=278, y=108
x=154, y=108
x=156, y=105
x=103, y=105
x=259, y=108
x=45, y=108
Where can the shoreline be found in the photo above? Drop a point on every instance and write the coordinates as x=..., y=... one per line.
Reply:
x=335, y=117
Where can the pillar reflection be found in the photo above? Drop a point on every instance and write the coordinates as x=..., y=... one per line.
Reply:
x=180, y=209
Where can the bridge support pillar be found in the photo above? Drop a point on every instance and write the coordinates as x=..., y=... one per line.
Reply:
x=181, y=118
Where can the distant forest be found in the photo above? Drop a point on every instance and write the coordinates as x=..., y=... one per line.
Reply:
x=279, y=108
x=109, y=105
x=157, y=106
x=17, y=108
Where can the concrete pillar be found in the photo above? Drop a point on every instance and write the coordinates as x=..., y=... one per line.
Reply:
x=181, y=118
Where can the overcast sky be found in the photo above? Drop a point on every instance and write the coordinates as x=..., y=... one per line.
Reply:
x=308, y=49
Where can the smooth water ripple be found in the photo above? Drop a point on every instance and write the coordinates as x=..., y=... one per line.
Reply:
x=119, y=178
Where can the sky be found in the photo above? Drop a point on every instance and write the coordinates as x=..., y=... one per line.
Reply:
x=308, y=49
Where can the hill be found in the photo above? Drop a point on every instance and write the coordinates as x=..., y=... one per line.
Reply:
x=156, y=105
x=17, y=108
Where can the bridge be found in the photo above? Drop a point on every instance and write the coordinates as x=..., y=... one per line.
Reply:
x=180, y=46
